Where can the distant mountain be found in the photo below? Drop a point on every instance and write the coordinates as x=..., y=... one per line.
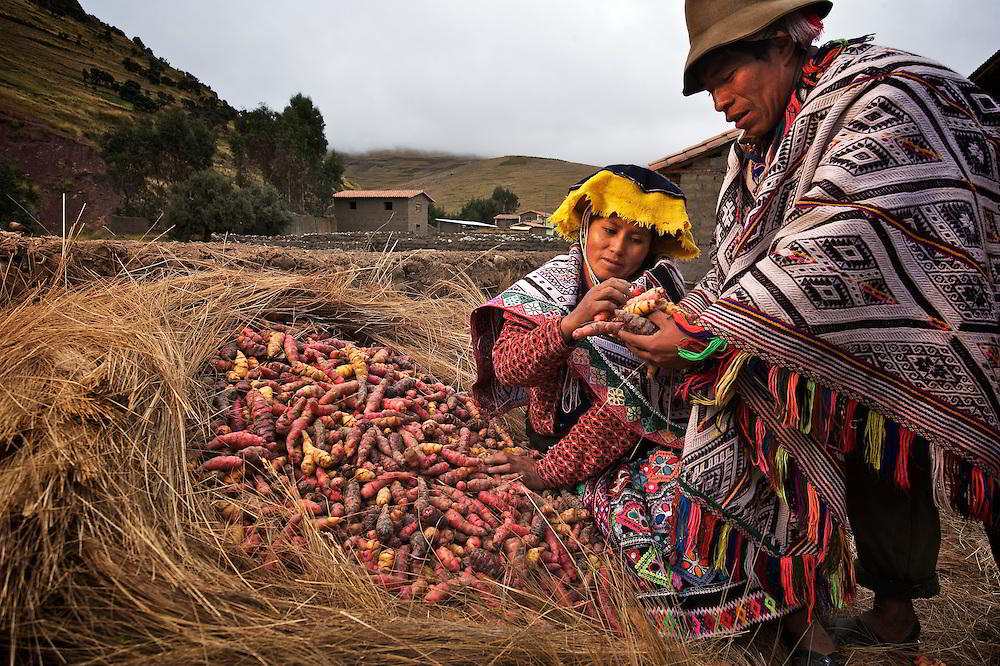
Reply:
x=451, y=180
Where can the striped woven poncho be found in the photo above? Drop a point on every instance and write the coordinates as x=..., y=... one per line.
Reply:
x=856, y=282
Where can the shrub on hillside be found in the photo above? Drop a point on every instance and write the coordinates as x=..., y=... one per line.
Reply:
x=207, y=202
x=143, y=156
x=18, y=198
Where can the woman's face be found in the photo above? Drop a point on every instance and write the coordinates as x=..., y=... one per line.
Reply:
x=616, y=248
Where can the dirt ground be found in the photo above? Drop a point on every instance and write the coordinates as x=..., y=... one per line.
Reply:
x=402, y=241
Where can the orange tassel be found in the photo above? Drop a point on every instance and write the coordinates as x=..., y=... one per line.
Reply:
x=809, y=563
x=694, y=523
x=788, y=581
x=813, y=530
x=792, y=402
x=760, y=433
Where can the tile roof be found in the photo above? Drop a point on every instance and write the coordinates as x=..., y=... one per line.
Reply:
x=504, y=216
x=379, y=194
x=679, y=159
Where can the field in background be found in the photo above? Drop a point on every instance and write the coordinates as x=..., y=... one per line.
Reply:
x=451, y=180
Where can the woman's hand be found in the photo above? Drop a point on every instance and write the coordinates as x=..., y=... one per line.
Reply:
x=522, y=466
x=604, y=298
x=660, y=348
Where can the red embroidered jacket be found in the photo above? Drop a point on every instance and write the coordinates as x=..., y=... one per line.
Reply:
x=533, y=358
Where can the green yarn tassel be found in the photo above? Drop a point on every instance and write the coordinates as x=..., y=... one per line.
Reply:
x=714, y=345
x=722, y=547
x=781, y=472
x=806, y=421
x=875, y=438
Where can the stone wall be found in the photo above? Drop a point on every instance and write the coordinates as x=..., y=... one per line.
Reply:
x=701, y=180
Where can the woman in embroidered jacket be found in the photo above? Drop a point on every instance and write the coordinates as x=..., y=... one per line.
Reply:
x=629, y=222
x=855, y=286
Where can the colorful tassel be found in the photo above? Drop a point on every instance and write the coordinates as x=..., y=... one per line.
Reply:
x=847, y=432
x=813, y=522
x=724, y=387
x=722, y=547
x=693, y=525
x=772, y=383
x=902, y=475
x=708, y=529
x=760, y=433
x=714, y=345
x=791, y=401
x=809, y=563
x=806, y=420
x=874, y=439
x=788, y=581
x=780, y=472
x=831, y=412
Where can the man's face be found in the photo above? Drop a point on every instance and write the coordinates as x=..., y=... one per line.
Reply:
x=752, y=92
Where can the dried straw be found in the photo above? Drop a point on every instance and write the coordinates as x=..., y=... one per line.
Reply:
x=112, y=554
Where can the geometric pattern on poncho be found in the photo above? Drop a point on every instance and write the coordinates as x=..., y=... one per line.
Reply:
x=866, y=258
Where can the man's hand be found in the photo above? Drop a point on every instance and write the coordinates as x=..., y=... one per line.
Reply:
x=522, y=467
x=599, y=302
x=660, y=348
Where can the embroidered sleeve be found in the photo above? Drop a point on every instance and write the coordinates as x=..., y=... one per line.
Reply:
x=596, y=441
x=526, y=356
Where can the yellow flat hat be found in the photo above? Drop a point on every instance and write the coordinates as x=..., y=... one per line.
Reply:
x=638, y=195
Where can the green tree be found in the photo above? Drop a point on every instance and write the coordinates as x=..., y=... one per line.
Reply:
x=16, y=189
x=482, y=210
x=131, y=153
x=505, y=199
x=434, y=212
x=203, y=204
x=269, y=217
x=207, y=203
x=289, y=149
x=186, y=145
x=144, y=157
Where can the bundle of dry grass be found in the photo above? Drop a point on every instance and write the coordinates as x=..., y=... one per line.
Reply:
x=111, y=554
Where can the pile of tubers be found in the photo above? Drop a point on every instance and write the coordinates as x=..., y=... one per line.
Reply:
x=387, y=461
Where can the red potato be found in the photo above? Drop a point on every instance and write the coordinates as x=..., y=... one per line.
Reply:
x=223, y=463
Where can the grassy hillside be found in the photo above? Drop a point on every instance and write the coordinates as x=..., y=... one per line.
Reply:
x=454, y=179
x=41, y=66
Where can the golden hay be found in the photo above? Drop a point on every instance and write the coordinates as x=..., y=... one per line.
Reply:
x=111, y=552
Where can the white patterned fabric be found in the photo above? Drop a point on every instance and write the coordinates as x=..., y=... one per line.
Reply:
x=866, y=260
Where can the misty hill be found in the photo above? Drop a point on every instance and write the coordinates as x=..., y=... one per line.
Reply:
x=66, y=78
x=451, y=180
x=70, y=71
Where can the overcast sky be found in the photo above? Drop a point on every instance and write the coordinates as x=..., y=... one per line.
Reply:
x=581, y=80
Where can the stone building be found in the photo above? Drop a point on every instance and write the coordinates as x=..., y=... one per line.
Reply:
x=699, y=170
x=504, y=220
x=530, y=215
x=383, y=210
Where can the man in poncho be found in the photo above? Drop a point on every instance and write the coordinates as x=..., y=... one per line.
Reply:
x=855, y=288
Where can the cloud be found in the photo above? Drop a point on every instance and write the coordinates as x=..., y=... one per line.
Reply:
x=586, y=81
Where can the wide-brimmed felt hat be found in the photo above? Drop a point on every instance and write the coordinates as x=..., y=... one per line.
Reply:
x=638, y=195
x=715, y=23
